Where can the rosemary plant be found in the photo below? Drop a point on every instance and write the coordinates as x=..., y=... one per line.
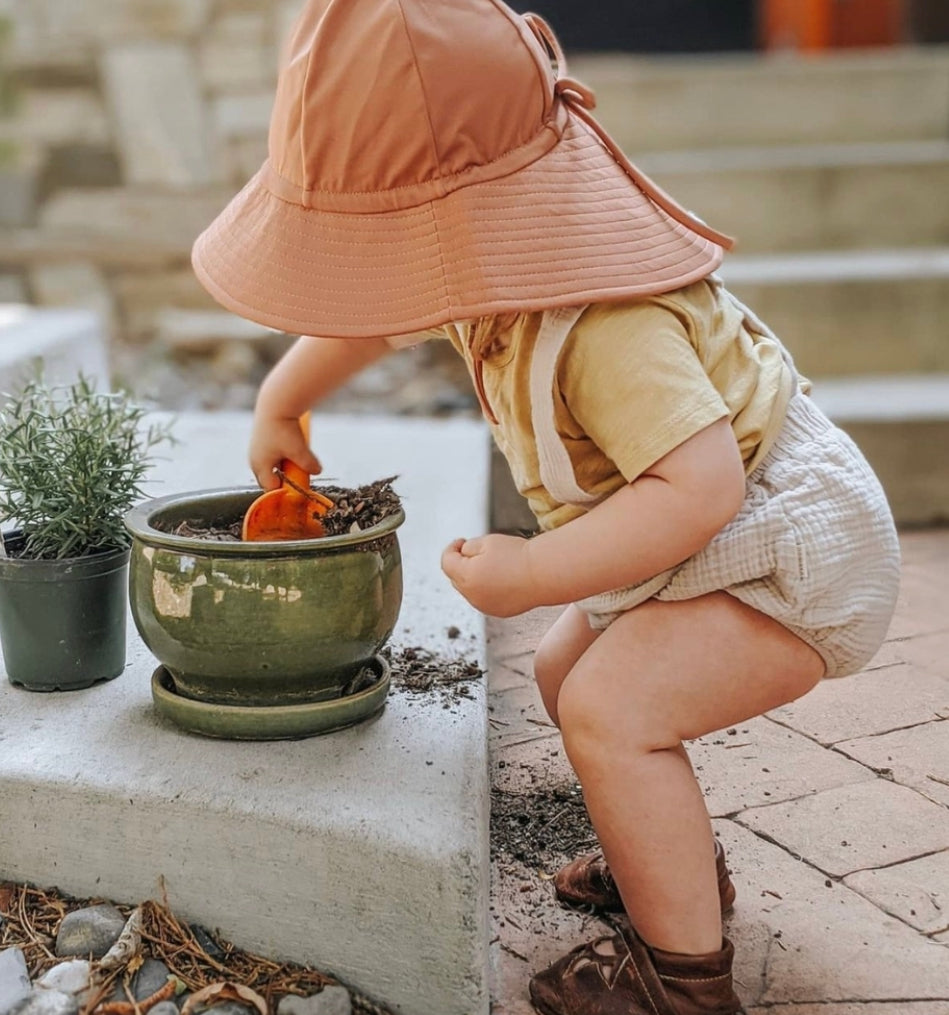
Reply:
x=72, y=461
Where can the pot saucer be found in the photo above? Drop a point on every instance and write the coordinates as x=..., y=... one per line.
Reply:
x=275, y=722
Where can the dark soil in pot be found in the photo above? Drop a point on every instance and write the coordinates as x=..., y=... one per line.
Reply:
x=354, y=510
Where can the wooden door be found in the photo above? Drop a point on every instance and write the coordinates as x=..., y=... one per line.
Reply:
x=823, y=24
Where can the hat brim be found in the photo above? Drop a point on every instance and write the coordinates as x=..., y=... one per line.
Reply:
x=570, y=228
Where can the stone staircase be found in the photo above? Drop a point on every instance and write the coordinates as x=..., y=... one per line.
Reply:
x=832, y=172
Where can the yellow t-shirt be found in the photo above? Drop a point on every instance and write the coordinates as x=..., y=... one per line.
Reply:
x=633, y=381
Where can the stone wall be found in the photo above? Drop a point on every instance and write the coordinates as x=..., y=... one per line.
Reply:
x=133, y=122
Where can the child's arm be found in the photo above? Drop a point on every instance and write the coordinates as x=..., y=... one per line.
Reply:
x=667, y=514
x=311, y=369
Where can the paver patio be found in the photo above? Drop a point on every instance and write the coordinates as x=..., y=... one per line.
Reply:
x=834, y=814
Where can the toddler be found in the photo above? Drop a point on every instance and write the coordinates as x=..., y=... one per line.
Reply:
x=717, y=544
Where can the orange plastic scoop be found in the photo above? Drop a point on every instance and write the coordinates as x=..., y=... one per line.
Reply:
x=292, y=511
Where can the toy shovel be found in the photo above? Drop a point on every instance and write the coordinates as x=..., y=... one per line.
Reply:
x=293, y=510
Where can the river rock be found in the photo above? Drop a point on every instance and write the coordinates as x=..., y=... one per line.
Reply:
x=14, y=979
x=49, y=1002
x=89, y=931
x=206, y=941
x=231, y=1008
x=164, y=1008
x=151, y=976
x=331, y=1000
x=71, y=977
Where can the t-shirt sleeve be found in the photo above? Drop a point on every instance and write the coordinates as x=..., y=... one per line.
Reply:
x=635, y=385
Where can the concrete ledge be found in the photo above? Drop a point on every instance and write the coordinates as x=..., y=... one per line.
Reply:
x=65, y=342
x=854, y=312
x=655, y=103
x=363, y=853
x=824, y=197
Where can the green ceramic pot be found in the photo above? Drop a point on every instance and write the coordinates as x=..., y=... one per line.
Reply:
x=259, y=624
x=62, y=622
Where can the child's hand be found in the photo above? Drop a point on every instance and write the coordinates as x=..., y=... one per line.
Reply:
x=272, y=440
x=492, y=573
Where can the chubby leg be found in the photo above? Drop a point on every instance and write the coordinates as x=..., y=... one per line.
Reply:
x=661, y=674
x=566, y=640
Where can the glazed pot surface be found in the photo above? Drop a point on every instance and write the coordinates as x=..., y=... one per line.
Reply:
x=260, y=623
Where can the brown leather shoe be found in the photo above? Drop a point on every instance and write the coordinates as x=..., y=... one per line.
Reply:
x=587, y=881
x=619, y=975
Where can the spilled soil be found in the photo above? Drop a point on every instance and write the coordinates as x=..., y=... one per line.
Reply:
x=423, y=674
x=542, y=829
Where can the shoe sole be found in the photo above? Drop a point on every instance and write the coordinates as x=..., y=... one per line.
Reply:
x=543, y=1008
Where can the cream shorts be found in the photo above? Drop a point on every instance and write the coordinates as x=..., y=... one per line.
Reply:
x=813, y=546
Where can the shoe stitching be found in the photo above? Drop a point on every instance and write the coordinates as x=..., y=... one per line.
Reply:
x=695, y=979
x=625, y=961
x=652, y=1004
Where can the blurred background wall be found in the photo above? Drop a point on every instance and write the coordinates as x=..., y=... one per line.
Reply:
x=816, y=131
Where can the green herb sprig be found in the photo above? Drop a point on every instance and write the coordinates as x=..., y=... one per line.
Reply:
x=72, y=461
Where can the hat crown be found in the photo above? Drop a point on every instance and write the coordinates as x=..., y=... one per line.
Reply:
x=376, y=95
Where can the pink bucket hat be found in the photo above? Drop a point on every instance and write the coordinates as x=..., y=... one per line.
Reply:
x=427, y=163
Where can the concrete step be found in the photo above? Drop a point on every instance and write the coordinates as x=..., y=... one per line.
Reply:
x=853, y=312
x=901, y=423
x=658, y=103
x=815, y=197
x=363, y=853
x=64, y=341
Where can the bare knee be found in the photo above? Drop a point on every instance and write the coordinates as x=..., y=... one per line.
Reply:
x=557, y=654
x=595, y=726
x=550, y=671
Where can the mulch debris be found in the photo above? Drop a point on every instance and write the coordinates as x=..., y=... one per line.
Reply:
x=31, y=917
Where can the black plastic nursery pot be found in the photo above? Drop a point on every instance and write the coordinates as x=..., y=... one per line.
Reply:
x=62, y=622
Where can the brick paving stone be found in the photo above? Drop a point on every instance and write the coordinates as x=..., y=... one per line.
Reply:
x=891, y=653
x=802, y=937
x=529, y=930
x=842, y=830
x=876, y=701
x=762, y=763
x=513, y=672
x=886, y=1008
x=921, y=608
x=531, y=765
x=917, y=757
x=916, y=891
x=925, y=548
x=519, y=635
x=930, y=651
x=520, y=716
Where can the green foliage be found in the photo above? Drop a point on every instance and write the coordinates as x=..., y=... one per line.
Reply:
x=71, y=464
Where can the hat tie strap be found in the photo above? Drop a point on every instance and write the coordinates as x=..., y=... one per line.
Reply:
x=580, y=99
